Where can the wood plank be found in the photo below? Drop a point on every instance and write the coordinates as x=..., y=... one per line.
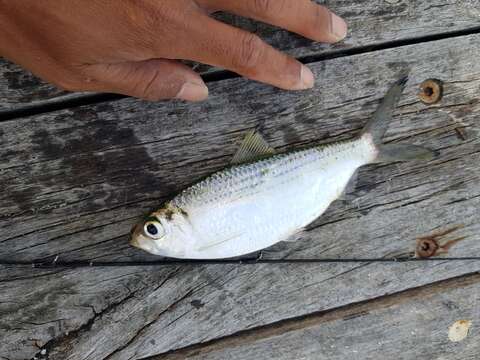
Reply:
x=410, y=325
x=125, y=157
x=370, y=23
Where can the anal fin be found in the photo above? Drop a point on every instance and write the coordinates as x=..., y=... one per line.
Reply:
x=296, y=236
x=348, y=192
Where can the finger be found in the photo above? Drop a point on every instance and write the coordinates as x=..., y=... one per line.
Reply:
x=151, y=80
x=225, y=46
x=303, y=17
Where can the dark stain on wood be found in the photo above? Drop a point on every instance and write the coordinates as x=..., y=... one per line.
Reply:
x=27, y=85
x=197, y=304
x=46, y=144
x=450, y=305
x=290, y=135
x=461, y=134
x=23, y=198
x=81, y=163
x=304, y=119
x=403, y=66
x=20, y=80
x=390, y=10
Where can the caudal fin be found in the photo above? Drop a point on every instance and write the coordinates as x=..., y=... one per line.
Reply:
x=378, y=125
x=403, y=152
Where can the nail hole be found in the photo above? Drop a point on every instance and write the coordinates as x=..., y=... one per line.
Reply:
x=431, y=91
x=426, y=247
x=428, y=91
x=430, y=245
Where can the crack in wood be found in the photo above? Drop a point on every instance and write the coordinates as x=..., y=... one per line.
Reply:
x=354, y=268
x=144, y=328
x=148, y=324
x=361, y=308
x=84, y=247
x=13, y=279
x=62, y=340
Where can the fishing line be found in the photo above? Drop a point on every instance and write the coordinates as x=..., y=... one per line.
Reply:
x=246, y=261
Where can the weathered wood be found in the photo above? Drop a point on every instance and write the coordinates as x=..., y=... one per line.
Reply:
x=76, y=180
x=411, y=325
x=370, y=23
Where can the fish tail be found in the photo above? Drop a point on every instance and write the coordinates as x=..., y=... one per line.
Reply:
x=378, y=125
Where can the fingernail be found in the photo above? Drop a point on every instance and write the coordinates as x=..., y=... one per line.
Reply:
x=338, y=27
x=306, y=78
x=193, y=92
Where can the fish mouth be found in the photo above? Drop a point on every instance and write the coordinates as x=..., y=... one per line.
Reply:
x=134, y=242
x=134, y=237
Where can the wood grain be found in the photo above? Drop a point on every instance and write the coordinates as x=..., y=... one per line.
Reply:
x=410, y=325
x=76, y=180
x=370, y=23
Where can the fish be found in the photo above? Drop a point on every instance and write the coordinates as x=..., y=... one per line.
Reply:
x=265, y=197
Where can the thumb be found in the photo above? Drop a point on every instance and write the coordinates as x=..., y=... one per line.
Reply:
x=155, y=79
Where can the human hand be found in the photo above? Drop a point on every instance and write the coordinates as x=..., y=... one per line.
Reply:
x=130, y=46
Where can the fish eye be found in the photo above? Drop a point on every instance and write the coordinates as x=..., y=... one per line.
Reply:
x=153, y=229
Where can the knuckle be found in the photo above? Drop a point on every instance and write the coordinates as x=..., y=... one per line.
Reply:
x=148, y=19
x=319, y=17
x=154, y=15
x=148, y=89
x=319, y=24
x=156, y=28
x=263, y=6
x=251, y=48
x=165, y=15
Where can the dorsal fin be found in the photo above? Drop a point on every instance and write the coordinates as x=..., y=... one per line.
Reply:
x=253, y=147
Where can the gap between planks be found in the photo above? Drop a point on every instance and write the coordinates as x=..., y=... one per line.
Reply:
x=76, y=100
x=345, y=312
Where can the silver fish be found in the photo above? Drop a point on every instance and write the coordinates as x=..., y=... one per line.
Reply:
x=266, y=197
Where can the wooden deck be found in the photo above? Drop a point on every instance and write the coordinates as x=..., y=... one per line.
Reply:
x=78, y=170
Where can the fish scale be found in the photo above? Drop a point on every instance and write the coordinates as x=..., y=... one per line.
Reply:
x=250, y=176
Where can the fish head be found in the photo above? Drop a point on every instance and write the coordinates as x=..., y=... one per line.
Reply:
x=160, y=233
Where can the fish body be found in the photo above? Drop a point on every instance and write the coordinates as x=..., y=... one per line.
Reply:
x=251, y=206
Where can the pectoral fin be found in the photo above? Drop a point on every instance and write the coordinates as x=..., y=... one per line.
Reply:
x=216, y=241
x=348, y=192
